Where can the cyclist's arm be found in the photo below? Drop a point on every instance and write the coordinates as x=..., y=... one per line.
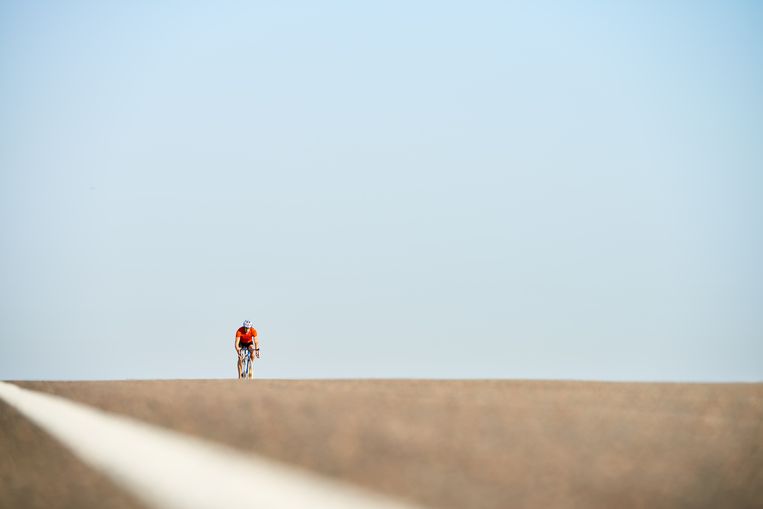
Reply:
x=256, y=347
x=236, y=344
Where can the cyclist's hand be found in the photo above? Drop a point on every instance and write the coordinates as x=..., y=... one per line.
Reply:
x=257, y=353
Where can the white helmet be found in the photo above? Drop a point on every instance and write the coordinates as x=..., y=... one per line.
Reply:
x=247, y=324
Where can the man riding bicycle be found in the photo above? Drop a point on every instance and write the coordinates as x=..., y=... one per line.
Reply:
x=246, y=338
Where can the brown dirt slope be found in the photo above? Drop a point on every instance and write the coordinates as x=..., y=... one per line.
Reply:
x=479, y=444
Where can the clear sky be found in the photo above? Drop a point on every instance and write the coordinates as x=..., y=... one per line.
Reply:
x=387, y=189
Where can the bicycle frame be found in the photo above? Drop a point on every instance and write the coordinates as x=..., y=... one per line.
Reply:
x=246, y=363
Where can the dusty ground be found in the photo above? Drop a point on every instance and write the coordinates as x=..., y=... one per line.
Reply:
x=472, y=444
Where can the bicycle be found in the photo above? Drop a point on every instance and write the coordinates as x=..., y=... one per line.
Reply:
x=247, y=368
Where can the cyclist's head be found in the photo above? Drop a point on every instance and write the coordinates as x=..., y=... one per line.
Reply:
x=247, y=324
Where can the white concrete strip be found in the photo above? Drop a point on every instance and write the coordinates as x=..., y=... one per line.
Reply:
x=167, y=470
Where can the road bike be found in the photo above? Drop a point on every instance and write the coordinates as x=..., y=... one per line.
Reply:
x=247, y=364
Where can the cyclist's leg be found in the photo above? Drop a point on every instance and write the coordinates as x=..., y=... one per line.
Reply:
x=251, y=360
x=239, y=365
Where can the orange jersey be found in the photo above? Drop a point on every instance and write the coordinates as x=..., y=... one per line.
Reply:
x=246, y=336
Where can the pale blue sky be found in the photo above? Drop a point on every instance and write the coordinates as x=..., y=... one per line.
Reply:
x=397, y=189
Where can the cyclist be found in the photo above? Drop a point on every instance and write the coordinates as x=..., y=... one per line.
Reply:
x=246, y=337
